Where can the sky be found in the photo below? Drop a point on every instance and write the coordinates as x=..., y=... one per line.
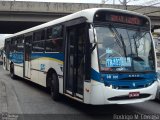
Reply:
x=130, y=2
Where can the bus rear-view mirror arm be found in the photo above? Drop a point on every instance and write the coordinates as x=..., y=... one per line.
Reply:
x=93, y=46
x=92, y=39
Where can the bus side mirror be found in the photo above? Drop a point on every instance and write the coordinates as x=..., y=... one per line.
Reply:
x=91, y=36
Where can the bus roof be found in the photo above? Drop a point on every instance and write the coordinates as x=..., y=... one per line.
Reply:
x=87, y=13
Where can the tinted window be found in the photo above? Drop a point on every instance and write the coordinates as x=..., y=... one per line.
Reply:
x=39, y=46
x=39, y=35
x=54, y=39
x=7, y=45
x=49, y=33
x=57, y=31
x=20, y=44
x=13, y=46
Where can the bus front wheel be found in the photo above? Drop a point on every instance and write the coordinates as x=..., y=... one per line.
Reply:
x=13, y=76
x=54, y=87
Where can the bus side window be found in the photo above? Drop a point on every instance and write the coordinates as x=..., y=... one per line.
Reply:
x=49, y=33
x=38, y=42
x=13, y=45
x=57, y=34
x=20, y=44
x=39, y=46
x=48, y=44
x=54, y=39
x=39, y=35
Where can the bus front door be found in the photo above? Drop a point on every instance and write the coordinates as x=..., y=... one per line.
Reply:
x=27, y=57
x=74, y=59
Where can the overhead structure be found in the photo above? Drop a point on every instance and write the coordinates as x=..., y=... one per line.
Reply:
x=19, y=15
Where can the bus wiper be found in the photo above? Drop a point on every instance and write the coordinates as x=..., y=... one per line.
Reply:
x=119, y=39
x=124, y=46
x=138, y=37
x=137, y=46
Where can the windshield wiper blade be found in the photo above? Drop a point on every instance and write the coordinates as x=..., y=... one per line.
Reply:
x=119, y=39
x=136, y=36
x=135, y=42
x=135, y=45
x=115, y=36
x=124, y=46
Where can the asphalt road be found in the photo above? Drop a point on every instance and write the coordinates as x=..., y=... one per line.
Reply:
x=24, y=100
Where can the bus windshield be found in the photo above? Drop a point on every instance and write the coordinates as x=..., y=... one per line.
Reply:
x=124, y=49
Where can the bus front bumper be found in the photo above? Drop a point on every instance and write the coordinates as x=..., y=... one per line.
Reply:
x=101, y=94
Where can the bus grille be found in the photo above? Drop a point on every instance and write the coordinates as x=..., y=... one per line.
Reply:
x=130, y=86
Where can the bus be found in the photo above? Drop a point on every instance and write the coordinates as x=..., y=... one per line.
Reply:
x=157, y=50
x=158, y=74
x=96, y=56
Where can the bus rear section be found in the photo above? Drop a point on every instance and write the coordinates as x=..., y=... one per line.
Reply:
x=125, y=71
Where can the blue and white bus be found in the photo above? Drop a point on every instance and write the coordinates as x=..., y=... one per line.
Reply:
x=95, y=56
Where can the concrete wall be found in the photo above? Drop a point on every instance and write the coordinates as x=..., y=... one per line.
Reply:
x=66, y=7
x=16, y=15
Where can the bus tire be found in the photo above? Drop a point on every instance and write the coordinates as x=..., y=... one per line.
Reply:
x=54, y=87
x=13, y=76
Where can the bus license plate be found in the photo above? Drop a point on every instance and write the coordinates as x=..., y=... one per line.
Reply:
x=133, y=94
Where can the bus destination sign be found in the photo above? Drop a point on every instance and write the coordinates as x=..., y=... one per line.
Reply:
x=125, y=19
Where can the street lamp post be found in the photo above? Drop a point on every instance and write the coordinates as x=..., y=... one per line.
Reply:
x=124, y=3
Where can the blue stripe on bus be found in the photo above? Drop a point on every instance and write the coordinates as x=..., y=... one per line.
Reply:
x=16, y=57
x=95, y=75
x=19, y=57
x=127, y=80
